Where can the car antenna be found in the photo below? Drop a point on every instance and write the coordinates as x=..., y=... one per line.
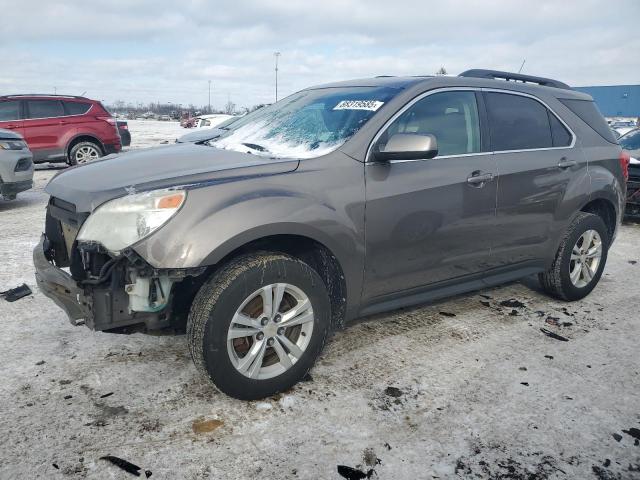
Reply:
x=82, y=94
x=522, y=65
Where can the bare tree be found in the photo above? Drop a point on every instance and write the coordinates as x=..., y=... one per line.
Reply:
x=442, y=71
x=230, y=108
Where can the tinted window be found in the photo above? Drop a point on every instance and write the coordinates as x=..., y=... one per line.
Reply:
x=630, y=141
x=452, y=117
x=76, y=108
x=517, y=122
x=9, y=110
x=44, y=108
x=559, y=133
x=590, y=114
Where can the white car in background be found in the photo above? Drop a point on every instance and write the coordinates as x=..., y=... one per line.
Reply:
x=211, y=121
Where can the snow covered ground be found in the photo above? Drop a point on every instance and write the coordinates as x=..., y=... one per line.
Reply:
x=466, y=388
x=152, y=133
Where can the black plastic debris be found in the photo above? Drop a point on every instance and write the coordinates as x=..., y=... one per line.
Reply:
x=633, y=262
x=41, y=362
x=106, y=395
x=526, y=384
x=634, y=432
x=550, y=357
x=512, y=303
x=17, y=293
x=353, y=473
x=617, y=437
x=447, y=314
x=555, y=336
x=486, y=304
x=147, y=473
x=55, y=465
x=123, y=464
x=607, y=462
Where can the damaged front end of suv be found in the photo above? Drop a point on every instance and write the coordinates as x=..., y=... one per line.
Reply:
x=85, y=263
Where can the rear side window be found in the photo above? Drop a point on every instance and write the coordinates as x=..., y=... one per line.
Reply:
x=44, y=109
x=517, y=122
x=589, y=113
x=559, y=133
x=9, y=110
x=76, y=108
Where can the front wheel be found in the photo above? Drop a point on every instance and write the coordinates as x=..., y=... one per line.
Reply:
x=580, y=260
x=257, y=325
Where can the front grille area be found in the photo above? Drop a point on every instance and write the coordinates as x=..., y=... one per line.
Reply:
x=62, y=226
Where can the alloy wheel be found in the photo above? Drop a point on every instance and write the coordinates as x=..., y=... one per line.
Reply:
x=86, y=153
x=585, y=258
x=270, y=331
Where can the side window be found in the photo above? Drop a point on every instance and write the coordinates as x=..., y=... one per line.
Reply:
x=9, y=110
x=76, y=108
x=452, y=117
x=559, y=133
x=44, y=109
x=517, y=122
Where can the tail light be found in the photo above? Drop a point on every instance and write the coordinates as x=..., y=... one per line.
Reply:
x=625, y=159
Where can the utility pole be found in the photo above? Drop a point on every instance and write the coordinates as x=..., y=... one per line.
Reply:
x=209, y=96
x=276, y=55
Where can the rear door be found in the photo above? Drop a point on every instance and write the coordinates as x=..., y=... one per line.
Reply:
x=10, y=115
x=428, y=221
x=42, y=128
x=536, y=159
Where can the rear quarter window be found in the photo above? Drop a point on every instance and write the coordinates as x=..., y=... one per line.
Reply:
x=76, y=108
x=589, y=113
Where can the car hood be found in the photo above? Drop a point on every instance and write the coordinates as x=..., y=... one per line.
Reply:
x=90, y=185
x=201, y=135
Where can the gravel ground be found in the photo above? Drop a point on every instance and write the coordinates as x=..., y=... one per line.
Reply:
x=466, y=388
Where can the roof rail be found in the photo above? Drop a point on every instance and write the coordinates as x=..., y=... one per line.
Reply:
x=516, y=77
x=40, y=95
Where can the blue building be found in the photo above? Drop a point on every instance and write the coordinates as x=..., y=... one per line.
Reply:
x=615, y=100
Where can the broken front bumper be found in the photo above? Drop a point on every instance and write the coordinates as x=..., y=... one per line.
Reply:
x=58, y=285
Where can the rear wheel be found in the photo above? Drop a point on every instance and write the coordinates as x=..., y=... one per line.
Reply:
x=580, y=260
x=84, y=152
x=258, y=325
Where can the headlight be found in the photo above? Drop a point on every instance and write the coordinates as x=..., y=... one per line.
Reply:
x=12, y=145
x=122, y=222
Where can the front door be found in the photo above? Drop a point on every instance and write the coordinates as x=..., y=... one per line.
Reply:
x=428, y=221
x=42, y=128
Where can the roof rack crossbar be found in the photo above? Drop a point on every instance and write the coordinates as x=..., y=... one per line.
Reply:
x=516, y=77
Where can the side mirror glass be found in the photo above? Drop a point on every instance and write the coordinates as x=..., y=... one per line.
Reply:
x=407, y=146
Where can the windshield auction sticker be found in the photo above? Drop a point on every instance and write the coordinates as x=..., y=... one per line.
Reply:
x=371, y=105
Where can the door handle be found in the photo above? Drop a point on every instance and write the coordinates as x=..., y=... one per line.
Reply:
x=478, y=179
x=564, y=163
x=13, y=126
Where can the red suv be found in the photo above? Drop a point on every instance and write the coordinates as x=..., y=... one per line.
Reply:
x=61, y=128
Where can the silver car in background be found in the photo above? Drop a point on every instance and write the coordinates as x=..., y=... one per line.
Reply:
x=16, y=165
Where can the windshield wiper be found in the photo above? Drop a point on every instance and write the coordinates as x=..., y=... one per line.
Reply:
x=255, y=146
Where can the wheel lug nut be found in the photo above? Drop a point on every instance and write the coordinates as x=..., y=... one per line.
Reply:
x=281, y=331
x=270, y=342
x=264, y=321
x=277, y=318
x=260, y=336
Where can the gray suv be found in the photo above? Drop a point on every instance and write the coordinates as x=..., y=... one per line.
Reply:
x=337, y=202
x=16, y=165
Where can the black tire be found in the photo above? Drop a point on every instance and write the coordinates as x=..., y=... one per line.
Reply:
x=73, y=153
x=556, y=281
x=217, y=301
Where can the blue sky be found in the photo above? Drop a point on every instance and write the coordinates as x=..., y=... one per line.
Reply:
x=142, y=51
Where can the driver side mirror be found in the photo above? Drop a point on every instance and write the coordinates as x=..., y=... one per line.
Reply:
x=405, y=146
